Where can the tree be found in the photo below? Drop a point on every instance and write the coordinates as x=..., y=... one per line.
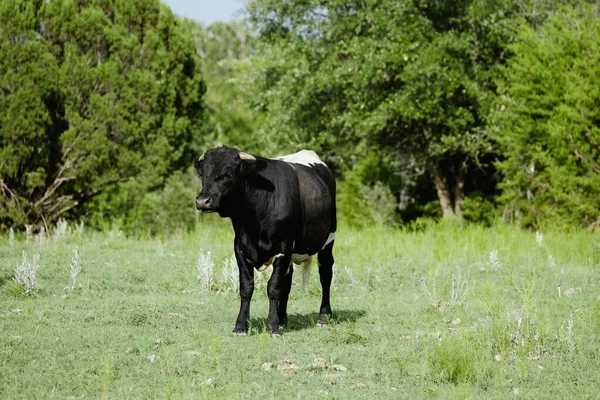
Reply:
x=549, y=120
x=95, y=95
x=413, y=79
x=224, y=47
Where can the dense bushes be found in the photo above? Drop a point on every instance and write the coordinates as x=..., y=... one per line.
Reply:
x=550, y=121
x=95, y=97
x=423, y=109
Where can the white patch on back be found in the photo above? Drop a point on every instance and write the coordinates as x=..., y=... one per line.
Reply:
x=304, y=157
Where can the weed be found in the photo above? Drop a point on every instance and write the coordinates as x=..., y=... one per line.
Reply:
x=460, y=288
x=74, y=270
x=539, y=238
x=26, y=274
x=231, y=277
x=40, y=237
x=494, y=260
x=61, y=230
x=28, y=233
x=206, y=268
x=107, y=375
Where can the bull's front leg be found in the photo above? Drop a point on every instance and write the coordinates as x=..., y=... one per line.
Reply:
x=246, y=290
x=278, y=291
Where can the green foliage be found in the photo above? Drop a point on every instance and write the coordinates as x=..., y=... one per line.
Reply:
x=549, y=121
x=139, y=211
x=411, y=78
x=92, y=94
x=363, y=198
x=224, y=47
x=478, y=209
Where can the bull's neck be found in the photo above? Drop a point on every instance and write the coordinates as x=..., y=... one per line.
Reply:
x=244, y=212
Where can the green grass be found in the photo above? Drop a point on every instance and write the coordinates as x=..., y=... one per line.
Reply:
x=417, y=315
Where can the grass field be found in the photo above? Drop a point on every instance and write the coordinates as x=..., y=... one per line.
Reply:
x=444, y=313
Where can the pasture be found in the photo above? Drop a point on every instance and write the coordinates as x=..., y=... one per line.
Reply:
x=444, y=312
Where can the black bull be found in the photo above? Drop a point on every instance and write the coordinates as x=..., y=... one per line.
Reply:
x=282, y=211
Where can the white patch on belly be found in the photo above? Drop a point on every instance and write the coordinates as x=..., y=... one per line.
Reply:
x=330, y=239
x=300, y=258
x=304, y=157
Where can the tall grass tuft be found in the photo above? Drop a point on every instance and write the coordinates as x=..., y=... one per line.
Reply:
x=74, y=270
x=494, y=260
x=11, y=237
x=28, y=233
x=453, y=361
x=231, y=277
x=26, y=274
x=61, y=230
x=40, y=237
x=206, y=267
x=460, y=288
x=539, y=238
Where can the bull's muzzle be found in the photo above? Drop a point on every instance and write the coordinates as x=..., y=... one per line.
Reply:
x=204, y=204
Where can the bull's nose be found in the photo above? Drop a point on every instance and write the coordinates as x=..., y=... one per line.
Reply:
x=203, y=203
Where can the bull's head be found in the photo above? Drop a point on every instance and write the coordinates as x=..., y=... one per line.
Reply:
x=223, y=171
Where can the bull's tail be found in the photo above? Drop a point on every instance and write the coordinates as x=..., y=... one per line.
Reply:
x=306, y=273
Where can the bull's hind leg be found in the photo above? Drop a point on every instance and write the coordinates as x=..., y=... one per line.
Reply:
x=325, y=274
x=286, y=289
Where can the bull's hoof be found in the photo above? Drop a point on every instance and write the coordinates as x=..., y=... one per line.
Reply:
x=324, y=320
x=275, y=334
x=239, y=332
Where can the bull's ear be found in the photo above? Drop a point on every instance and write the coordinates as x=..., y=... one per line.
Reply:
x=252, y=167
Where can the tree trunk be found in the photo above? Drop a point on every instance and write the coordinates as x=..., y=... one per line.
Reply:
x=443, y=193
x=459, y=193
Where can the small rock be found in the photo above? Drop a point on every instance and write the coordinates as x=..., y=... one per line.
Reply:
x=320, y=363
x=193, y=353
x=267, y=366
x=286, y=367
x=156, y=343
x=359, y=385
x=16, y=337
x=153, y=358
x=175, y=315
x=209, y=382
x=339, y=367
x=515, y=391
x=456, y=321
x=498, y=357
x=572, y=291
x=17, y=311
